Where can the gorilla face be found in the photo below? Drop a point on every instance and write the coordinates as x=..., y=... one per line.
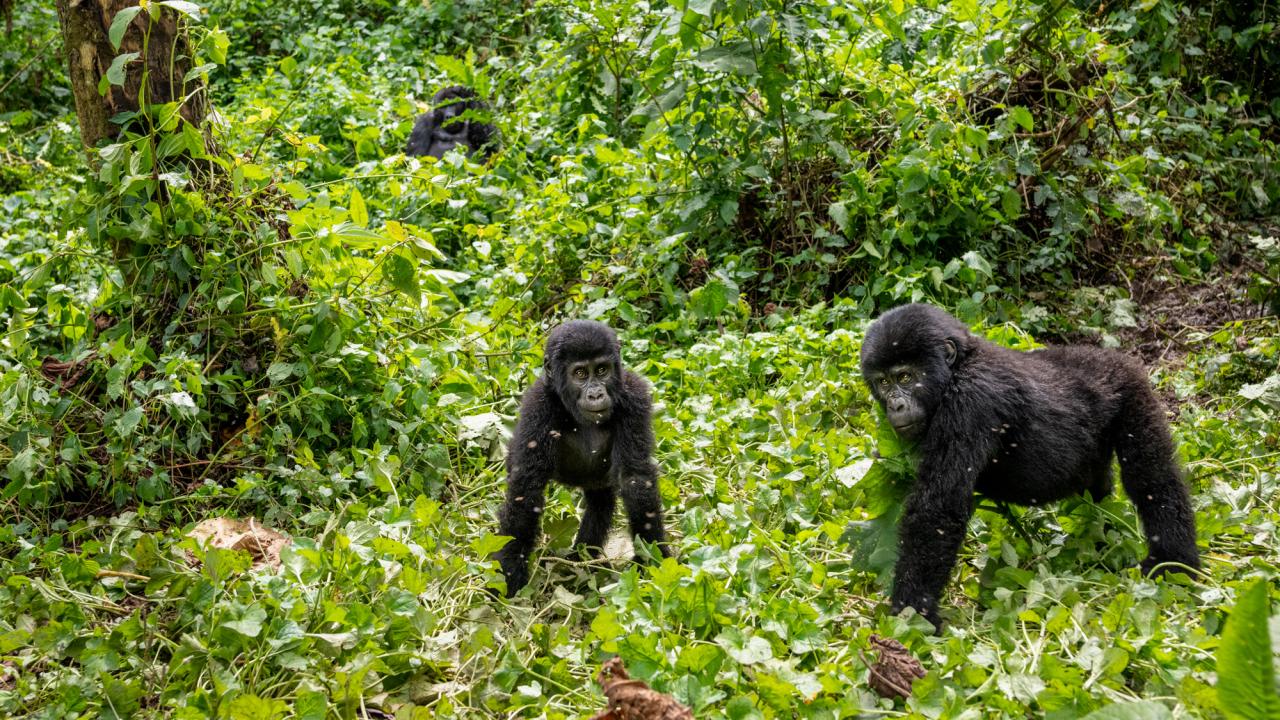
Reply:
x=584, y=363
x=898, y=390
x=590, y=385
x=907, y=363
x=909, y=392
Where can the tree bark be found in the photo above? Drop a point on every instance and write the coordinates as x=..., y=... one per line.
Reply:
x=155, y=77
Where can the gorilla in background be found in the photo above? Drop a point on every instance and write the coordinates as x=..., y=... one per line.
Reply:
x=1019, y=427
x=449, y=125
x=586, y=422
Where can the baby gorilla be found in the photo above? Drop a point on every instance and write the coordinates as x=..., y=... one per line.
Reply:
x=448, y=125
x=585, y=423
x=1018, y=427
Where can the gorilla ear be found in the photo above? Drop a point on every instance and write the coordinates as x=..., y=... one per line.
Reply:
x=951, y=352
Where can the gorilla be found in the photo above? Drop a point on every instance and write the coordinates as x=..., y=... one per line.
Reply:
x=1018, y=427
x=451, y=122
x=586, y=422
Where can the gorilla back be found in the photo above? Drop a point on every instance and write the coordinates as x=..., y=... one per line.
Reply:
x=1023, y=427
x=586, y=422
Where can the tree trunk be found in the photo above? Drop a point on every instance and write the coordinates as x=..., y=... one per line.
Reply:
x=154, y=77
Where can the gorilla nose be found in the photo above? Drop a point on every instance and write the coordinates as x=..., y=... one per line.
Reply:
x=897, y=405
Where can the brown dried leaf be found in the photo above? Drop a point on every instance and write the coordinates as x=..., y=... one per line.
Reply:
x=262, y=543
x=894, y=670
x=633, y=699
x=64, y=373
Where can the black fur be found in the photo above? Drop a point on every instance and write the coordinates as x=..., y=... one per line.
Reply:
x=452, y=121
x=592, y=432
x=1020, y=427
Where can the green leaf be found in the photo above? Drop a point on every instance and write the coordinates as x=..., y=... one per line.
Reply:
x=250, y=625
x=216, y=43
x=605, y=624
x=486, y=545
x=700, y=7
x=252, y=707
x=1267, y=391
x=401, y=273
x=840, y=214
x=711, y=299
x=278, y=372
x=359, y=212
x=1011, y=203
x=737, y=60
x=127, y=422
x=310, y=705
x=1246, y=670
x=357, y=237
x=1137, y=710
x=120, y=699
x=1022, y=116
x=119, y=24
x=115, y=73
x=189, y=9
x=746, y=650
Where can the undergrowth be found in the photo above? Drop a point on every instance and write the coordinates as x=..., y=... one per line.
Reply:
x=299, y=324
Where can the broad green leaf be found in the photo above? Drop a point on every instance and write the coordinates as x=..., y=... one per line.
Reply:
x=1137, y=710
x=711, y=299
x=747, y=650
x=486, y=545
x=127, y=422
x=252, y=707
x=1022, y=117
x=359, y=213
x=250, y=624
x=401, y=273
x=840, y=213
x=189, y=9
x=1246, y=669
x=120, y=699
x=278, y=372
x=311, y=705
x=115, y=73
x=119, y=24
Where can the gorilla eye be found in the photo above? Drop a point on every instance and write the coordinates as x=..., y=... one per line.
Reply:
x=904, y=377
x=602, y=370
x=580, y=372
x=884, y=381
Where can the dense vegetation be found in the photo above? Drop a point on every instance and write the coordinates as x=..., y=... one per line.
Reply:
x=295, y=322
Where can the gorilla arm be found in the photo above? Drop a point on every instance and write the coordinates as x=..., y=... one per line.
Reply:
x=530, y=464
x=424, y=128
x=959, y=444
x=632, y=461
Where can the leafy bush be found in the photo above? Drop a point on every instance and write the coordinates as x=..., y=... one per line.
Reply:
x=299, y=324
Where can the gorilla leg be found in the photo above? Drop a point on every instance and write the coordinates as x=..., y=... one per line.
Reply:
x=644, y=510
x=521, y=518
x=1151, y=478
x=597, y=516
x=1100, y=483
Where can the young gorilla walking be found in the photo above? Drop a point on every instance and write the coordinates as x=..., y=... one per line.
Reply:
x=585, y=423
x=1019, y=427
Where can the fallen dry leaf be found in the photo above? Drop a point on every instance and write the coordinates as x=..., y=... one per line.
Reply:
x=633, y=699
x=65, y=373
x=894, y=670
x=262, y=543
